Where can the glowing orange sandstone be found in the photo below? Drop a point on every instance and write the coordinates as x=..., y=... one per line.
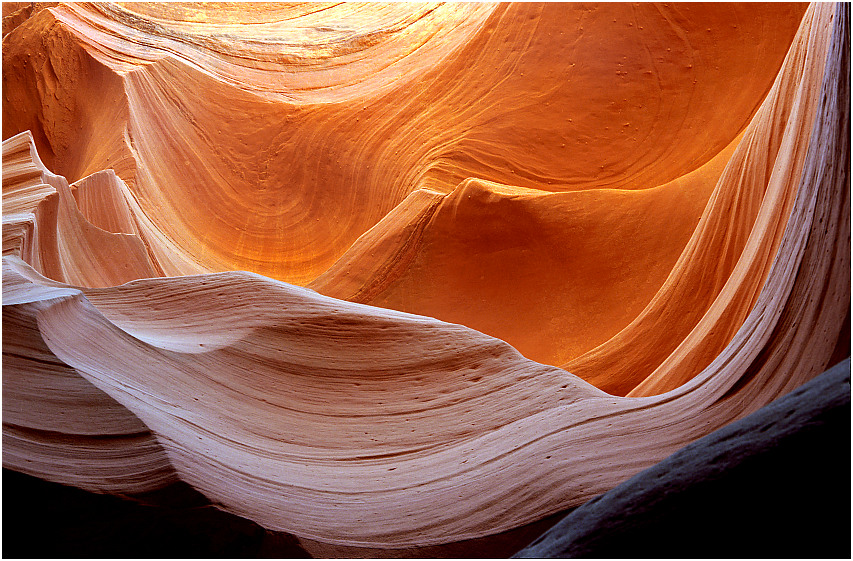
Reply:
x=655, y=198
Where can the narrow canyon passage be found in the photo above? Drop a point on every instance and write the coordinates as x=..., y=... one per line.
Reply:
x=370, y=273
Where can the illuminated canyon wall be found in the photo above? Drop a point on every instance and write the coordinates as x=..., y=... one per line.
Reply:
x=407, y=274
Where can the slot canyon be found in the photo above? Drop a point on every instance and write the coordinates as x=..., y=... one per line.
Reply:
x=426, y=279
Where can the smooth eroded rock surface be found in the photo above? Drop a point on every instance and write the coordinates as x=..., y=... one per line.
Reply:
x=394, y=276
x=728, y=484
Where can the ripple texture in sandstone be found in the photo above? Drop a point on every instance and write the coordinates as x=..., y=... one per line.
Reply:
x=398, y=275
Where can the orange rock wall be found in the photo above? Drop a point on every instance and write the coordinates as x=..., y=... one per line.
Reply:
x=399, y=275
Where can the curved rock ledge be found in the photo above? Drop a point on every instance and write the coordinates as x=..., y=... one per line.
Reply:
x=727, y=484
x=493, y=266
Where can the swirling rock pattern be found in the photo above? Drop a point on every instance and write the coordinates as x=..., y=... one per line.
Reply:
x=233, y=239
x=727, y=483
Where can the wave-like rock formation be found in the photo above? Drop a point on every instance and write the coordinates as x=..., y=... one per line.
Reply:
x=407, y=274
x=727, y=483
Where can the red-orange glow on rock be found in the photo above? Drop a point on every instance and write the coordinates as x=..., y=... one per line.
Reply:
x=337, y=263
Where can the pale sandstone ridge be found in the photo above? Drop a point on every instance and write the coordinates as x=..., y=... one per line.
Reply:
x=56, y=424
x=696, y=261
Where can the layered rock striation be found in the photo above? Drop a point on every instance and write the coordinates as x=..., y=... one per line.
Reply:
x=407, y=274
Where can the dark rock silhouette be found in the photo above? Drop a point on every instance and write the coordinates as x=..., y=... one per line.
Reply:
x=775, y=484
